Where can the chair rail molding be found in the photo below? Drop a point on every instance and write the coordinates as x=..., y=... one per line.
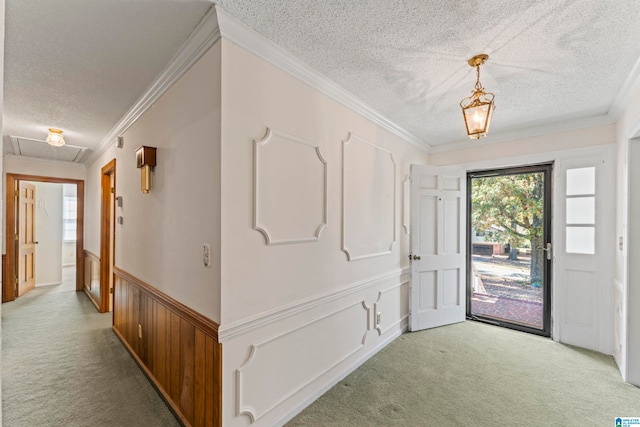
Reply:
x=290, y=198
x=367, y=167
x=232, y=330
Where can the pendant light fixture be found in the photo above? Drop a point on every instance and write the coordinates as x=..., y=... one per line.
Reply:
x=478, y=108
x=55, y=137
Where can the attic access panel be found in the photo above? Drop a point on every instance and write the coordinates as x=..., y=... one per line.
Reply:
x=27, y=147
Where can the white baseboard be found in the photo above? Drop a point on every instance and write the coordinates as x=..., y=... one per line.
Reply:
x=355, y=365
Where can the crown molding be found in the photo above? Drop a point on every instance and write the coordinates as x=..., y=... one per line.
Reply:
x=205, y=35
x=528, y=132
x=240, y=34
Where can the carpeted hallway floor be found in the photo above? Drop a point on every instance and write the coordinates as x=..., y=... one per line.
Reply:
x=472, y=374
x=63, y=366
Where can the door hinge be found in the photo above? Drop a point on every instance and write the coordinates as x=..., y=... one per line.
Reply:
x=110, y=290
x=112, y=190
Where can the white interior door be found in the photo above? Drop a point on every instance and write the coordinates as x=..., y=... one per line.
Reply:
x=583, y=252
x=438, y=265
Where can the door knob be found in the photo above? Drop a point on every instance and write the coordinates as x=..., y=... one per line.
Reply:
x=35, y=243
x=416, y=257
x=547, y=250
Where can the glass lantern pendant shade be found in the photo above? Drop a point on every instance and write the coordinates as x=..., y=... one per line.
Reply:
x=477, y=109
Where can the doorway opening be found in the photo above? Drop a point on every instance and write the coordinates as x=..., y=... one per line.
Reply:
x=107, y=236
x=23, y=207
x=509, y=247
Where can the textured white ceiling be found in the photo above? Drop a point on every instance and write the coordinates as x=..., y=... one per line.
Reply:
x=550, y=61
x=79, y=65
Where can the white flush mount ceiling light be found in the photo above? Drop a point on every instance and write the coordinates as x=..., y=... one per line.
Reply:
x=55, y=137
x=478, y=108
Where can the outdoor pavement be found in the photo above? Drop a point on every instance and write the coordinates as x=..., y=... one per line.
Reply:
x=528, y=313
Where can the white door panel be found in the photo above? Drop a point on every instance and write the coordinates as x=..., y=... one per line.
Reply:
x=437, y=245
x=584, y=238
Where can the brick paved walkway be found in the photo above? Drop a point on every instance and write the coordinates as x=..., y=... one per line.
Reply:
x=526, y=313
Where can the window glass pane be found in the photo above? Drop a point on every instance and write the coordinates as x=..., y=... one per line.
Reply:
x=581, y=240
x=581, y=210
x=69, y=215
x=581, y=181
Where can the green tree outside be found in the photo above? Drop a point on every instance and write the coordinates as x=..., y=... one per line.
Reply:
x=509, y=209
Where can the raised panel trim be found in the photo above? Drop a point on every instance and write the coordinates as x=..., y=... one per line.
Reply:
x=403, y=319
x=270, y=240
x=244, y=409
x=350, y=257
x=244, y=326
x=207, y=325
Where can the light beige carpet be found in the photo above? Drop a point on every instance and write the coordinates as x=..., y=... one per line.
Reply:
x=62, y=365
x=471, y=374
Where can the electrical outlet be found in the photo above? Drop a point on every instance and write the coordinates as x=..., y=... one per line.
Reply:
x=378, y=318
x=206, y=255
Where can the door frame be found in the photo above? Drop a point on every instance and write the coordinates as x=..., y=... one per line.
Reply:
x=548, y=169
x=107, y=214
x=10, y=273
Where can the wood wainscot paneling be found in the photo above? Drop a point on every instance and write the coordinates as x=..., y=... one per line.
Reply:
x=176, y=347
x=4, y=272
x=91, y=280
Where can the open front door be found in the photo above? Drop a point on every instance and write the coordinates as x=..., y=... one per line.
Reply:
x=26, y=236
x=437, y=246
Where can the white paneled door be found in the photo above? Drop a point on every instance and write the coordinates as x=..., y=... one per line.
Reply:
x=583, y=256
x=437, y=247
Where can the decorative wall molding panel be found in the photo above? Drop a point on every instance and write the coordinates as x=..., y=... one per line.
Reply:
x=290, y=189
x=369, y=199
x=244, y=326
x=280, y=366
x=393, y=303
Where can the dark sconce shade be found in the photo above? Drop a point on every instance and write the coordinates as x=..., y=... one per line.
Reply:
x=145, y=160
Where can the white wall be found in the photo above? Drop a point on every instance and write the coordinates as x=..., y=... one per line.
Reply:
x=162, y=235
x=485, y=151
x=298, y=316
x=48, y=233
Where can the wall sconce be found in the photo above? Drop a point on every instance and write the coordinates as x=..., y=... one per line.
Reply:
x=145, y=159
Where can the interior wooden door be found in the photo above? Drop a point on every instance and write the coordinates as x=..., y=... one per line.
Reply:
x=26, y=238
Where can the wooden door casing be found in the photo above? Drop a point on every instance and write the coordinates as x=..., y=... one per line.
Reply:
x=11, y=256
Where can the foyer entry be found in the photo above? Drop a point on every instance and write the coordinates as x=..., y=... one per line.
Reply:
x=509, y=249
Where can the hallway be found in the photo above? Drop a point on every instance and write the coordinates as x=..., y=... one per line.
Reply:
x=63, y=365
